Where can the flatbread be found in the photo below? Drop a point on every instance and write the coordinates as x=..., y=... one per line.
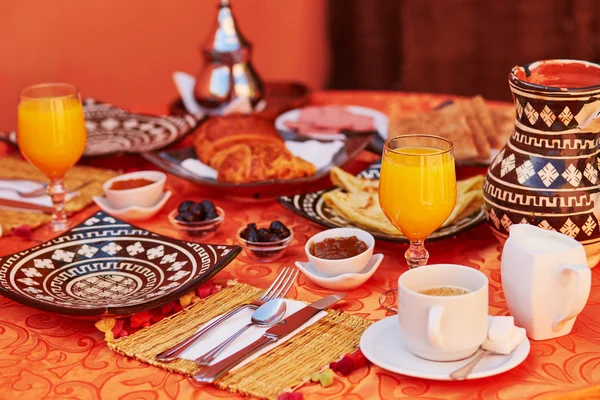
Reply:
x=450, y=125
x=467, y=109
x=504, y=120
x=356, y=200
x=484, y=116
x=351, y=183
x=360, y=209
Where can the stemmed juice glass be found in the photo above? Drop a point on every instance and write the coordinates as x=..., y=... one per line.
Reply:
x=417, y=188
x=51, y=135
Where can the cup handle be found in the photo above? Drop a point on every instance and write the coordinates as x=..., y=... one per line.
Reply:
x=584, y=281
x=434, y=326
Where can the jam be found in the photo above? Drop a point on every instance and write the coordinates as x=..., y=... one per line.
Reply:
x=130, y=184
x=338, y=248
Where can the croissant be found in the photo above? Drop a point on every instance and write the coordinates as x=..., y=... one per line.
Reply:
x=220, y=133
x=247, y=149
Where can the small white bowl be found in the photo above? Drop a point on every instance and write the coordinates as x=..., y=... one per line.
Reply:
x=132, y=213
x=145, y=196
x=354, y=264
x=343, y=281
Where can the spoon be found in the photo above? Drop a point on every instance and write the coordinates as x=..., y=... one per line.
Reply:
x=266, y=315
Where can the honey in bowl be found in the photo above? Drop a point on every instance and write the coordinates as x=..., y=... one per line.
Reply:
x=130, y=184
x=338, y=248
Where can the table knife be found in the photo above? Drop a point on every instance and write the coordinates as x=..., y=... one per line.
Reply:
x=290, y=324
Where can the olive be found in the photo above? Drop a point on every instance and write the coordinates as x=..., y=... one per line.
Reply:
x=263, y=235
x=208, y=206
x=250, y=227
x=183, y=206
x=253, y=236
x=273, y=237
x=198, y=211
x=188, y=216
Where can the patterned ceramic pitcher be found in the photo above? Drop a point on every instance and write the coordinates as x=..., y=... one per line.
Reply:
x=548, y=173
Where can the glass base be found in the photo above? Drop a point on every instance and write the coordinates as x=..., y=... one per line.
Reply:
x=416, y=255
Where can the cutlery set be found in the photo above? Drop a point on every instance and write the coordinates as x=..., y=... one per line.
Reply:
x=269, y=313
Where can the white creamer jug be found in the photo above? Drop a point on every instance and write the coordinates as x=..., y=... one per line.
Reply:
x=545, y=280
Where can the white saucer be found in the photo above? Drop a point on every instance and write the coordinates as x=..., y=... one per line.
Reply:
x=343, y=281
x=382, y=345
x=132, y=213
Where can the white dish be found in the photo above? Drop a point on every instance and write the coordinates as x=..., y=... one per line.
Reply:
x=382, y=344
x=380, y=120
x=145, y=196
x=131, y=213
x=333, y=268
x=344, y=281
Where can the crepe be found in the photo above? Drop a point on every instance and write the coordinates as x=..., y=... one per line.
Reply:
x=470, y=124
x=452, y=126
x=356, y=200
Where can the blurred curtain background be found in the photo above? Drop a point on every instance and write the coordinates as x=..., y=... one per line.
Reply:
x=454, y=46
x=124, y=51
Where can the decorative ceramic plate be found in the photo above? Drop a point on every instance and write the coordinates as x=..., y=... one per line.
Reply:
x=112, y=130
x=312, y=207
x=171, y=161
x=105, y=266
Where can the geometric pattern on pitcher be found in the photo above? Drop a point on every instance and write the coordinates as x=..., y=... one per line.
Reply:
x=566, y=225
x=581, y=201
x=566, y=116
x=549, y=174
x=556, y=143
x=547, y=116
x=531, y=114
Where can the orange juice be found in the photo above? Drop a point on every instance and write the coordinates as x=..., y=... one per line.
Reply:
x=417, y=189
x=51, y=133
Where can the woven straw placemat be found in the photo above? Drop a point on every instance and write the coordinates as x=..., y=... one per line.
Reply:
x=18, y=169
x=285, y=367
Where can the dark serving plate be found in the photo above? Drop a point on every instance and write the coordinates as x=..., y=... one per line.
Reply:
x=105, y=266
x=170, y=160
x=312, y=207
x=112, y=130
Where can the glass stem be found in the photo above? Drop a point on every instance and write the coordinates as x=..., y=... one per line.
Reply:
x=58, y=193
x=416, y=255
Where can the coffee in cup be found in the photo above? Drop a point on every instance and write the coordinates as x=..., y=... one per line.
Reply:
x=444, y=291
x=443, y=311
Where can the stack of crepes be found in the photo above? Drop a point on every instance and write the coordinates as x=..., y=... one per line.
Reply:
x=356, y=200
x=473, y=127
x=247, y=148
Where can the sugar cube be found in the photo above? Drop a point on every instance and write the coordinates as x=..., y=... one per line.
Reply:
x=501, y=328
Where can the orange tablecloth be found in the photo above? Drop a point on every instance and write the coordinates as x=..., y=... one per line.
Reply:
x=44, y=355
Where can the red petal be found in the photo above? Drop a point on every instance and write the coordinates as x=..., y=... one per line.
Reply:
x=204, y=290
x=23, y=231
x=167, y=308
x=358, y=359
x=290, y=396
x=140, y=319
x=343, y=367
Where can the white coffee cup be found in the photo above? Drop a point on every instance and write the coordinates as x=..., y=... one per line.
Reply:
x=443, y=328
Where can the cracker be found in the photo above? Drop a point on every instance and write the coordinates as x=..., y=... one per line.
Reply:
x=504, y=120
x=477, y=131
x=452, y=126
x=485, y=119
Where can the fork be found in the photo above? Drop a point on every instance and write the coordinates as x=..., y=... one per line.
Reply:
x=279, y=288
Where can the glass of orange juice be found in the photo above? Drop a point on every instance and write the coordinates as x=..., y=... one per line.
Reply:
x=51, y=135
x=417, y=188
